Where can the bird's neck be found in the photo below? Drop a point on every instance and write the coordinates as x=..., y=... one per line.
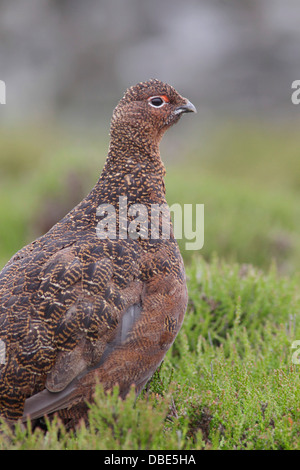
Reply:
x=134, y=171
x=126, y=157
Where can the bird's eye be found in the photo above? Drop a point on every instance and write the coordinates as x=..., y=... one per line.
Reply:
x=156, y=101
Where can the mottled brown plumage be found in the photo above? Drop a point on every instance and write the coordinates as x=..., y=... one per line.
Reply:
x=76, y=309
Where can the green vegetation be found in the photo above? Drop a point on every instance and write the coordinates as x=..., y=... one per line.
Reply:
x=229, y=381
x=249, y=181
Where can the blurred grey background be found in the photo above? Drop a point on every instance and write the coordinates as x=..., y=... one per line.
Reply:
x=70, y=60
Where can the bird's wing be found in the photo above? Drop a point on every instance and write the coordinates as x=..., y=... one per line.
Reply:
x=146, y=331
x=57, y=313
x=64, y=380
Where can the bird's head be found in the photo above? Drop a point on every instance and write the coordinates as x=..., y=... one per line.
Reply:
x=148, y=109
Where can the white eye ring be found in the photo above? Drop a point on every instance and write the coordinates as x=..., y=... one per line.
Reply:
x=159, y=100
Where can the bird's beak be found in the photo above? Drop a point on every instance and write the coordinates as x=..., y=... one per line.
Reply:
x=188, y=107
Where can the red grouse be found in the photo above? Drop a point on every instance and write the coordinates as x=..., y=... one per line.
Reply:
x=78, y=307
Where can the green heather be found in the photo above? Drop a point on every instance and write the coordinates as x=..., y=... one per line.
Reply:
x=229, y=381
